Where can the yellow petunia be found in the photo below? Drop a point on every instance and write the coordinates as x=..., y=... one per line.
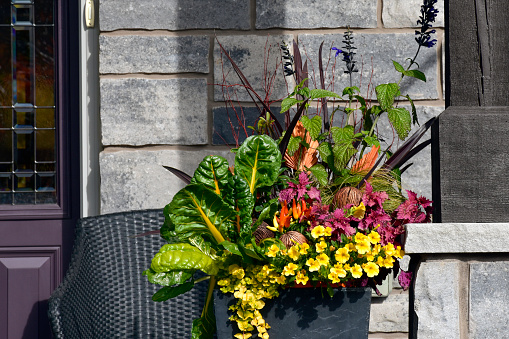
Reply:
x=371, y=269
x=281, y=280
x=340, y=270
x=362, y=247
x=290, y=269
x=359, y=211
x=399, y=253
x=389, y=249
x=360, y=237
x=313, y=264
x=388, y=262
x=333, y=277
x=293, y=253
x=303, y=248
x=301, y=278
x=342, y=255
x=318, y=231
x=323, y=259
x=327, y=232
x=356, y=271
x=321, y=246
x=350, y=246
x=272, y=252
x=374, y=237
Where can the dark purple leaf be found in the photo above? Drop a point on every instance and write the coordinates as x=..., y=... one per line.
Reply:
x=183, y=176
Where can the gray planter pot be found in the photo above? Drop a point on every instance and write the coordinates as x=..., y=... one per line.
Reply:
x=305, y=313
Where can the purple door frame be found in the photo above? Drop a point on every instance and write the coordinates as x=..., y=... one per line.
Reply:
x=36, y=241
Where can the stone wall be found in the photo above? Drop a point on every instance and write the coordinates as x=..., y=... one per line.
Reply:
x=159, y=60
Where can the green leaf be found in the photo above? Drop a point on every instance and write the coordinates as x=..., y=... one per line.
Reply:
x=197, y=210
x=372, y=141
x=313, y=126
x=398, y=67
x=233, y=248
x=351, y=90
x=386, y=93
x=258, y=161
x=362, y=101
x=320, y=173
x=414, y=111
x=325, y=150
x=167, y=278
x=212, y=172
x=322, y=93
x=343, y=152
x=167, y=231
x=344, y=134
x=169, y=292
x=178, y=257
x=401, y=121
x=293, y=145
x=415, y=74
x=287, y=103
x=240, y=198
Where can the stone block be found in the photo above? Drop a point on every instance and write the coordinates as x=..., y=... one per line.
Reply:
x=250, y=53
x=375, y=53
x=153, y=54
x=315, y=14
x=437, y=303
x=149, y=111
x=405, y=13
x=489, y=300
x=132, y=180
x=173, y=14
x=456, y=238
x=389, y=314
x=238, y=118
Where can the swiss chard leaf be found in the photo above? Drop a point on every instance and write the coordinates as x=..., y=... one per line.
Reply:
x=239, y=196
x=258, y=161
x=197, y=210
x=205, y=326
x=168, y=278
x=178, y=257
x=212, y=172
x=169, y=292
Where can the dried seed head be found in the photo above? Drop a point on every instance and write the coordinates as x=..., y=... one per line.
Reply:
x=346, y=196
x=291, y=237
x=262, y=232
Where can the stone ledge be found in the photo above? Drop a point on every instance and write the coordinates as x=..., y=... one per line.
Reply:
x=389, y=314
x=456, y=238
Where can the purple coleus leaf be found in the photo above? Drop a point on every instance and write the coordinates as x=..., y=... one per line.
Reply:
x=405, y=279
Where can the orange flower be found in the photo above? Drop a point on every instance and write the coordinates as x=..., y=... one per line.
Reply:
x=304, y=157
x=296, y=210
x=284, y=217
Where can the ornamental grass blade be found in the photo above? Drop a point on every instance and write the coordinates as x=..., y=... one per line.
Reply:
x=250, y=90
x=186, y=178
x=402, y=153
x=326, y=123
x=286, y=139
x=413, y=152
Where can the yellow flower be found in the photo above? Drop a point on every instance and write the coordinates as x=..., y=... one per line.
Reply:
x=303, y=248
x=342, y=255
x=356, y=271
x=281, y=280
x=370, y=256
x=273, y=251
x=375, y=250
x=380, y=261
x=290, y=269
x=313, y=264
x=333, y=277
x=327, y=232
x=293, y=252
x=350, y=246
x=323, y=259
x=340, y=270
x=301, y=278
x=318, y=231
x=243, y=335
x=374, y=237
x=371, y=269
x=236, y=271
x=321, y=246
x=399, y=253
x=360, y=237
x=362, y=247
x=389, y=249
x=389, y=262
x=359, y=211
x=347, y=267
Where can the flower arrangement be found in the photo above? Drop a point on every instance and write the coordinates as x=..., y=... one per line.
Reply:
x=313, y=207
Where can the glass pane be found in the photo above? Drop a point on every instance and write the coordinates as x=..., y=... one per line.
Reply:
x=5, y=146
x=5, y=198
x=5, y=12
x=24, y=120
x=45, y=118
x=44, y=67
x=5, y=182
x=24, y=151
x=44, y=10
x=45, y=167
x=22, y=15
x=5, y=167
x=5, y=66
x=24, y=198
x=45, y=182
x=23, y=64
x=5, y=118
x=46, y=198
x=45, y=150
x=24, y=182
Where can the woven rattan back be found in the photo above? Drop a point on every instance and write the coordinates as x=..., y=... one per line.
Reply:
x=104, y=294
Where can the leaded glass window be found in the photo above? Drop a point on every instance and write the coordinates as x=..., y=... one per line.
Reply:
x=28, y=157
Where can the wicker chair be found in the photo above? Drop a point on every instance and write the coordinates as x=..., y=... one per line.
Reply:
x=104, y=295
